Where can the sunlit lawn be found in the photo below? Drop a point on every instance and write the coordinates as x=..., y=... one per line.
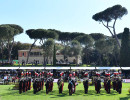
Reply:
x=6, y=93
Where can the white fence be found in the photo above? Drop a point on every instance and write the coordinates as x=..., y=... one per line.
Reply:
x=68, y=67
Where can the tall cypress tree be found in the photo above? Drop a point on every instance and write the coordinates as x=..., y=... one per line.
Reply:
x=125, y=49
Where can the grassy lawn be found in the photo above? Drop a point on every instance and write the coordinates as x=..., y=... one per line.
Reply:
x=6, y=93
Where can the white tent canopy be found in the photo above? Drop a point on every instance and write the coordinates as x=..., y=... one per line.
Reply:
x=110, y=68
x=125, y=68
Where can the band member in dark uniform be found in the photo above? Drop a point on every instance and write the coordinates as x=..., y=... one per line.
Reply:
x=70, y=84
x=60, y=83
x=34, y=86
x=107, y=83
x=114, y=80
x=75, y=81
x=24, y=85
x=119, y=85
x=51, y=79
x=47, y=86
x=86, y=82
x=42, y=80
x=49, y=82
x=29, y=79
x=20, y=83
x=98, y=83
x=20, y=86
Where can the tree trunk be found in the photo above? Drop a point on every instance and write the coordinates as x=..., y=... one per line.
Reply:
x=1, y=55
x=9, y=53
x=50, y=60
x=44, y=60
x=115, y=59
x=47, y=60
x=2, y=52
x=76, y=60
x=8, y=47
x=114, y=32
x=87, y=52
x=30, y=50
x=2, y=58
x=54, y=56
x=115, y=36
x=11, y=50
x=100, y=60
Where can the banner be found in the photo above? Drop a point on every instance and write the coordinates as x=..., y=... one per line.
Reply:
x=126, y=80
x=55, y=80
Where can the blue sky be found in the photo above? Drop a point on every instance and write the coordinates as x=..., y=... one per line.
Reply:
x=64, y=15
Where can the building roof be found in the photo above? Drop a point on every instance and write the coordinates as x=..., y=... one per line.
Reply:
x=33, y=50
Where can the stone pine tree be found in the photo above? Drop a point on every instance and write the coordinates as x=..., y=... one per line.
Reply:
x=32, y=35
x=110, y=15
x=8, y=32
x=75, y=50
x=125, y=49
x=48, y=48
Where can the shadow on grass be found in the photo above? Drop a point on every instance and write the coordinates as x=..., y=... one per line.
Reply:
x=81, y=92
x=126, y=98
x=55, y=93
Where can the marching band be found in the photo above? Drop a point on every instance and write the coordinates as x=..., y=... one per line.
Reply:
x=38, y=82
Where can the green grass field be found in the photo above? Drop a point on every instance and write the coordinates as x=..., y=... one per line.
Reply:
x=6, y=93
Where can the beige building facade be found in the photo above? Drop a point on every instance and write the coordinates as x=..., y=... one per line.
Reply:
x=37, y=56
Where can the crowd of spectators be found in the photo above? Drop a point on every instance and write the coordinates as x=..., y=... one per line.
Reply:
x=12, y=75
